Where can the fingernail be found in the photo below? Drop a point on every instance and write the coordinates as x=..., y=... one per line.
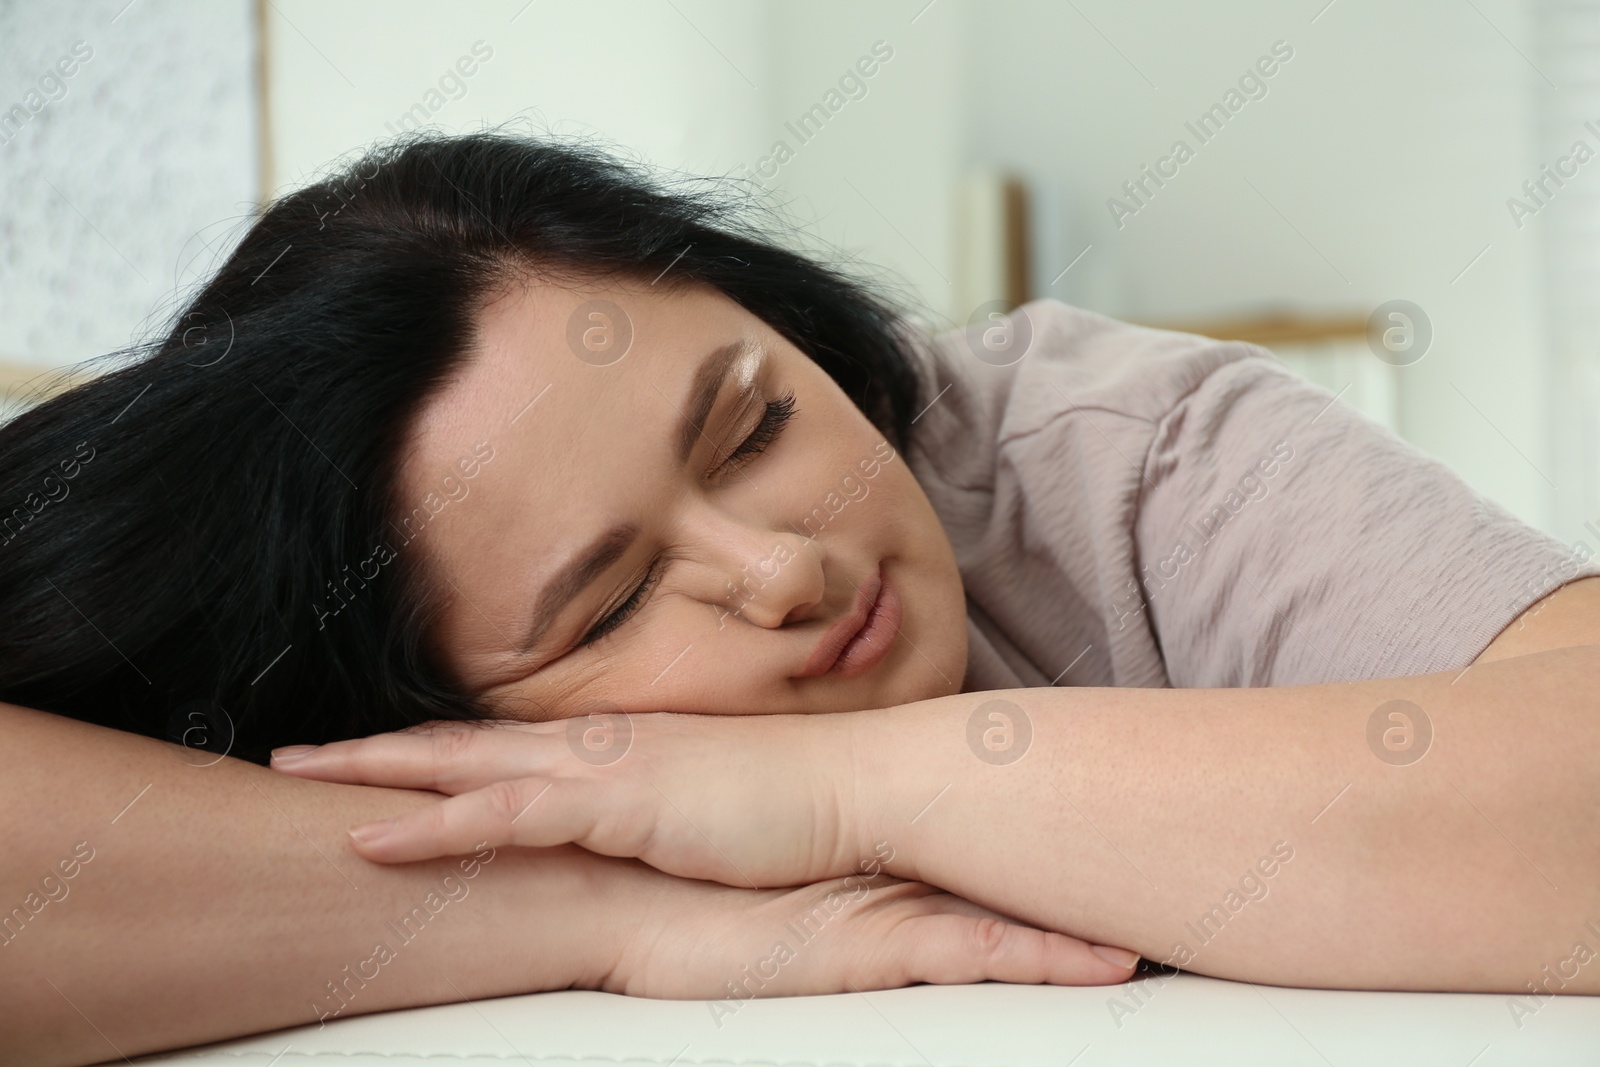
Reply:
x=289, y=753
x=367, y=833
x=1119, y=957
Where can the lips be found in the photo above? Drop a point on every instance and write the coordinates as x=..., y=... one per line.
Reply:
x=845, y=630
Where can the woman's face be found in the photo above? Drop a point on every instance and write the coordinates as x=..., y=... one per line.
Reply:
x=649, y=530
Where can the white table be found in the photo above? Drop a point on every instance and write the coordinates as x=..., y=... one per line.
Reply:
x=1187, y=1019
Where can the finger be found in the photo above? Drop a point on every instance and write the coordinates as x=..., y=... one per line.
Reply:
x=933, y=936
x=533, y=812
x=948, y=947
x=451, y=759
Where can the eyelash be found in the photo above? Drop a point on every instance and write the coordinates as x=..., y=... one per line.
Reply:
x=773, y=421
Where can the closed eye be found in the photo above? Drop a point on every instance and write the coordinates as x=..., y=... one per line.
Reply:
x=625, y=611
x=773, y=420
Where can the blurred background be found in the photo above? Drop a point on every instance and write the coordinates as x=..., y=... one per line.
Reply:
x=1397, y=196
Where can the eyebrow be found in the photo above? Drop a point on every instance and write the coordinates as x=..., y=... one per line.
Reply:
x=584, y=567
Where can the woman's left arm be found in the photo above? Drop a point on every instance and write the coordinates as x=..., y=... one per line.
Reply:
x=1431, y=832
x=1439, y=831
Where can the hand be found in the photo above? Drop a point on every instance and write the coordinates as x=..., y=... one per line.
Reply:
x=745, y=800
x=673, y=938
x=791, y=811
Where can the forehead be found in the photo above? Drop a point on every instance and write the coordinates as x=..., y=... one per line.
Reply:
x=568, y=361
x=576, y=430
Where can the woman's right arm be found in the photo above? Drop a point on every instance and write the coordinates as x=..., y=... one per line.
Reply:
x=152, y=899
x=211, y=901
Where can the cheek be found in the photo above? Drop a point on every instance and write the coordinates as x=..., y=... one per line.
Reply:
x=551, y=693
x=894, y=504
x=665, y=659
x=836, y=449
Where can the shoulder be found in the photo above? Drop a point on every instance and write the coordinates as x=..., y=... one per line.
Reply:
x=1048, y=362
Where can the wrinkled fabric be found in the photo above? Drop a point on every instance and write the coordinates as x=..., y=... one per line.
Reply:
x=1139, y=507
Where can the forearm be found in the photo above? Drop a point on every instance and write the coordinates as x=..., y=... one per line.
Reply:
x=223, y=900
x=1135, y=813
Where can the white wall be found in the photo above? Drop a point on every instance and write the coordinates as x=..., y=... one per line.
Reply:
x=665, y=81
x=1389, y=142
x=1568, y=34
x=878, y=181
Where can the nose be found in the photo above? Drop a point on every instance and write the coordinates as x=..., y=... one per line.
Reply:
x=766, y=577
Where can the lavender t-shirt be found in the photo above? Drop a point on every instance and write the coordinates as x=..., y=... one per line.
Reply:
x=1138, y=507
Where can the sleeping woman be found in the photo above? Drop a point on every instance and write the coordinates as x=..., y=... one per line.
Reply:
x=495, y=492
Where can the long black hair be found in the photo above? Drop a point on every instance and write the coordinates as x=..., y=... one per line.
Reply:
x=187, y=543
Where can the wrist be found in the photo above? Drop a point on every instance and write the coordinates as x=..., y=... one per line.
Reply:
x=579, y=912
x=897, y=770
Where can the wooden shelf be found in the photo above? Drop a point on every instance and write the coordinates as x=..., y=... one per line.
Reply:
x=1274, y=328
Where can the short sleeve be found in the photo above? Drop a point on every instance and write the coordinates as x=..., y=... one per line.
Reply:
x=1283, y=538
